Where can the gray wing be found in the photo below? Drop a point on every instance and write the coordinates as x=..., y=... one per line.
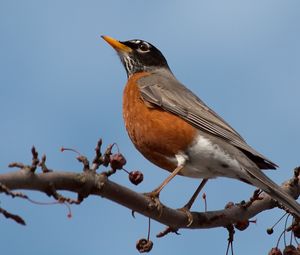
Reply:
x=164, y=91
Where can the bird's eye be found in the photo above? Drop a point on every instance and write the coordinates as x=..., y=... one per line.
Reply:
x=144, y=47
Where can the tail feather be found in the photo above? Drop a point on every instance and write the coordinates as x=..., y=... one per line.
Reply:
x=260, y=180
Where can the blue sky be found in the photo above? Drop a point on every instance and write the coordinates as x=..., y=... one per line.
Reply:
x=61, y=85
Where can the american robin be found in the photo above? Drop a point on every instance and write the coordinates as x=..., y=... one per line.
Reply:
x=178, y=132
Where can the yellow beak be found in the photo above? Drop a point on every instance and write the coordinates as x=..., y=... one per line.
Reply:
x=116, y=44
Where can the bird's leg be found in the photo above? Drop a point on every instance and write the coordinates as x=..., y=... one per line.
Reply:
x=154, y=195
x=155, y=192
x=189, y=204
x=195, y=195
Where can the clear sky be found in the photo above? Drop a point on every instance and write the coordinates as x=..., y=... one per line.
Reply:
x=61, y=85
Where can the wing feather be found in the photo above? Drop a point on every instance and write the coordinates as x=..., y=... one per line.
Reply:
x=166, y=92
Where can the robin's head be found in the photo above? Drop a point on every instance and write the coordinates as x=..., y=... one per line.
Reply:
x=137, y=55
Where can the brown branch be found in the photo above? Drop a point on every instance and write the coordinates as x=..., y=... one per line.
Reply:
x=14, y=217
x=91, y=183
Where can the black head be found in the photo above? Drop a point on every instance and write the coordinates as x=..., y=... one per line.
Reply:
x=137, y=55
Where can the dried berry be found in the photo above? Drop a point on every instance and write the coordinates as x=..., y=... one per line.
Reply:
x=242, y=225
x=144, y=245
x=296, y=228
x=136, y=177
x=296, y=231
x=275, y=251
x=117, y=161
x=290, y=250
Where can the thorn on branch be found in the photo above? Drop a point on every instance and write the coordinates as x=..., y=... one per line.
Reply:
x=16, y=164
x=167, y=231
x=35, y=159
x=14, y=217
x=86, y=164
x=43, y=166
x=97, y=161
x=106, y=155
x=205, y=201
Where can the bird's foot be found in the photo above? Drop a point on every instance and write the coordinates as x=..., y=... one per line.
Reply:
x=189, y=215
x=155, y=202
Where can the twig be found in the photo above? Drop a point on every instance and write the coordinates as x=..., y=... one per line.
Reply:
x=14, y=217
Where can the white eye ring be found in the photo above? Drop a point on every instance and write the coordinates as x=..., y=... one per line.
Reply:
x=143, y=47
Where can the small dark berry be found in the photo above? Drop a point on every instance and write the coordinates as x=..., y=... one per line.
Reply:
x=270, y=231
x=296, y=228
x=242, y=225
x=290, y=250
x=136, y=177
x=117, y=161
x=296, y=231
x=275, y=251
x=144, y=245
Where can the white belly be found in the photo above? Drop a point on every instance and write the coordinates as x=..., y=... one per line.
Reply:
x=207, y=160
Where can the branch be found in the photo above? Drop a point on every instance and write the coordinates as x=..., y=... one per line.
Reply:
x=91, y=183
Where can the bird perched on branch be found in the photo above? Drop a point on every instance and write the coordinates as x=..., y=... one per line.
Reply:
x=177, y=131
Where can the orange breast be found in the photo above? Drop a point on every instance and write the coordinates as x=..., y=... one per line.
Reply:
x=157, y=134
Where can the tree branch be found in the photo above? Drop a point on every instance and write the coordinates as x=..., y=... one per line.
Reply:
x=91, y=183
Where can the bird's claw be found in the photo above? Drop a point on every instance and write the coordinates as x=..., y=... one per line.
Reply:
x=189, y=215
x=155, y=202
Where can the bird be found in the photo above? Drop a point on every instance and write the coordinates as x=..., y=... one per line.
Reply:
x=175, y=130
